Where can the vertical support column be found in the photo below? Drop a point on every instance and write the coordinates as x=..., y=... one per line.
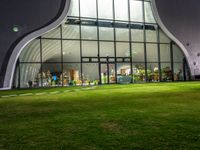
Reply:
x=130, y=40
x=159, y=60
x=18, y=66
x=62, y=65
x=41, y=61
x=115, y=44
x=98, y=42
x=172, y=61
x=145, y=45
x=80, y=34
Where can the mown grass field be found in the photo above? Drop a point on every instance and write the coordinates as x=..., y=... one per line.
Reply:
x=115, y=117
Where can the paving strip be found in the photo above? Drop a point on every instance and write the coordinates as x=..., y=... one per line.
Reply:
x=55, y=92
x=40, y=93
x=26, y=94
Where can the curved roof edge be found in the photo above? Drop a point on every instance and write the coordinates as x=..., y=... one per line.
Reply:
x=168, y=33
x=20, y=46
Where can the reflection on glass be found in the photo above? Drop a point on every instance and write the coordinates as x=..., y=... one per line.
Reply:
x=139, y=72
x=124, y=73
x=90, y=74
x=153, y=72
x=30, y=75
x=71, y=51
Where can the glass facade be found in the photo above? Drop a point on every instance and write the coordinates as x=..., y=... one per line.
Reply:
x=102, y=42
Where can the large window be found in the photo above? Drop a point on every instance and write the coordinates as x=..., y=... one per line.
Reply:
x=102, y=42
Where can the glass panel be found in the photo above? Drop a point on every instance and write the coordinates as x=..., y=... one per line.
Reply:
x=122, y=34
x=139, y=72
x=121, y=10
x=70, y=32
x=31, y=53
x=51, y=50
x=137, y=52
x=74, y=8
x=90, y=74
x=165, y=54
x=16, y=79
x=106, y=33
x=52, y=74
x=89, y=49
x=124, y=73
x=136, y=11
x=123, y=49
x=71, y=74
x=107, y=49
x=71, y=51
x=104, y=74
x=151, y=35
x=137, y=35
x=178, y=72
x=149, y=18
x=105, y=9
x=112, y=78
x=163, y=37
x=153, y=72
x=152, y=52
x=177, y=54
x=166, y=71
x=55, y=33
x=108, y=73
x=30, y=75
x=88, y=12
x=89, y=32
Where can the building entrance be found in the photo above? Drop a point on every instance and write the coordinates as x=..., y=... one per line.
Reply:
x=107, y=73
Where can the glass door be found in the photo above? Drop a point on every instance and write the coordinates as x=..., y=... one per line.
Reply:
x=111, y=73
x=108, y=73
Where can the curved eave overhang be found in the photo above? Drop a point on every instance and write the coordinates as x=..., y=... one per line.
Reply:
x=169, y=34
x=9, y=74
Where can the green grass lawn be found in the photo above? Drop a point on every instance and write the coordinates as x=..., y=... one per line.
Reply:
x=114, y=117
